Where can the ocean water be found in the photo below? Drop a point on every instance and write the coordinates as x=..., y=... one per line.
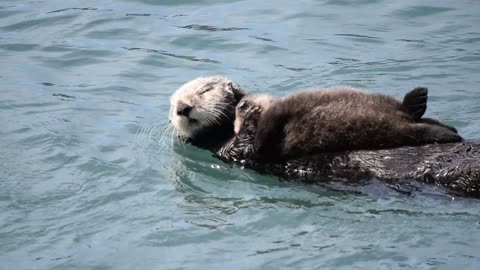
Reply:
x=90, y=180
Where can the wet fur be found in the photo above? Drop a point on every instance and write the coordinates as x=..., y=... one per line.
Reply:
x=454, y=166
x=341, y=119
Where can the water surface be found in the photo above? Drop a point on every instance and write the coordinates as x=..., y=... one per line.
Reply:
x=87, y=182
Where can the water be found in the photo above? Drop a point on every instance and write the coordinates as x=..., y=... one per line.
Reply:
x=86, y=182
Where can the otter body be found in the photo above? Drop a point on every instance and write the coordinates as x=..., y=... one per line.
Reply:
x=454, y=165
x=339, y=119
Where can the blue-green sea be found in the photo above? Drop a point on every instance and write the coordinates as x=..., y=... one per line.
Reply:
x=90, y=180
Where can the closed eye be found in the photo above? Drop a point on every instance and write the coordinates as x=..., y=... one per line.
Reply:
x=243, y=105
x=205, y=89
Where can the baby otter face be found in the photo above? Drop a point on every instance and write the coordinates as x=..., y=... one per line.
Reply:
x=202, y=103
x=247, y=104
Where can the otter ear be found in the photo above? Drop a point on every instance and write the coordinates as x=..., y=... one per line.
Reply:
x=237, y=91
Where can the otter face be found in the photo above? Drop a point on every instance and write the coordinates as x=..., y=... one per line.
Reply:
x=249, y=102
x=203, y=103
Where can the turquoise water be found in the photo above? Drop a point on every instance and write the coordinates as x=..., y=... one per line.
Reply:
x=87, y=182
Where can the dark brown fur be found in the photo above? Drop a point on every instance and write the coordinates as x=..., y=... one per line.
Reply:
x=453, y=165
x=340, y=119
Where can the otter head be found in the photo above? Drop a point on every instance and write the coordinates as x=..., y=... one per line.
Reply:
x=204, y=104
x=259, y=102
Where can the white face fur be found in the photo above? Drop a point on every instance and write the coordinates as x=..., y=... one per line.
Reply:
x=210, y=102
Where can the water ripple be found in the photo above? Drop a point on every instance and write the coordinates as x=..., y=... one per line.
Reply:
x=39, y=23
x=209, y=28
x=68, y=9
x=421, y=11
x=184, y=57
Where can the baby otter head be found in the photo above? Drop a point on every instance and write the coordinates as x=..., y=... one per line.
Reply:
x=259, y=102
x=202, y=104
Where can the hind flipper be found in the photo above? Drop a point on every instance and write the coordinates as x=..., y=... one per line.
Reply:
x=436, y=122
x=436, y=134
x=415, y=102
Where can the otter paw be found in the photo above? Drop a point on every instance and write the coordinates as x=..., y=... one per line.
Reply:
x=251, y=117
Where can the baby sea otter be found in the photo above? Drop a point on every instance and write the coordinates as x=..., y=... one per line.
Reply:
x=338, y=119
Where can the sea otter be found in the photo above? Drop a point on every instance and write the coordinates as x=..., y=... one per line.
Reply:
x=339, y=119
x=452, y=165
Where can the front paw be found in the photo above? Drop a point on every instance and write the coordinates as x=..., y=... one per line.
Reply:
x=251, y=117
x=249, y=152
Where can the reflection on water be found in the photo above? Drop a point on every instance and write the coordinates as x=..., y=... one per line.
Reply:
x=91, y=178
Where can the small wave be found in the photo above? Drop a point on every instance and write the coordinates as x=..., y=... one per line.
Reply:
x=209, y=28
x=67, y=9
x=185, y=57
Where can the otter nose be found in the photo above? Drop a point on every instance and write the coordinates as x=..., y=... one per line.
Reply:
x=184, y=109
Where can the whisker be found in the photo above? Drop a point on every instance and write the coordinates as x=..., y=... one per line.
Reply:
x=165, y=132
x=209, y=119
x=172, y=137
x=219, y=114
x=162, y=133
x=213, y=120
